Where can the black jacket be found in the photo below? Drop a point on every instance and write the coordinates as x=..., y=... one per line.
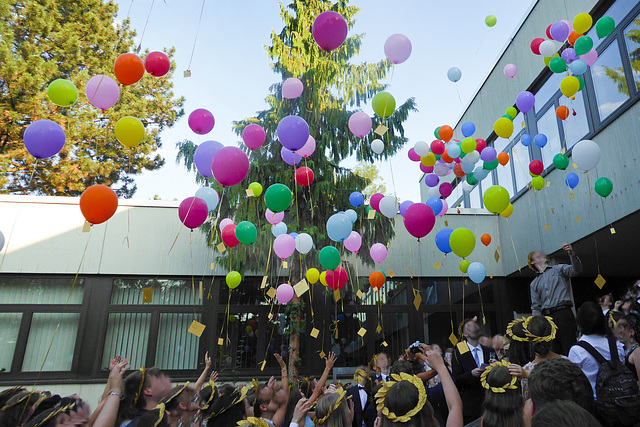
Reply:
x=470, y=388
x=368, y=415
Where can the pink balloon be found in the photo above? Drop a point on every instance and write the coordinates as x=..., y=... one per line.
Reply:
x=337, y=278
x=510, y=70
x=413, y=156
x=102, y=92
x=374, y=202
x=378, y=252
x=445, y=189
x=284, y=245
x=201, y=121
x=360, y=124
x=445, y=208
x=230, y=166
x=274, y=218
x=353, y=242
x=253, y=136
x=397, y=48
x=590, y=57
x=419, y=220
x=308, y=148
x=225, y=222
x=292, y=88
x=481, y=144
x=284, y=293
x=329, y=30
x=193, y=212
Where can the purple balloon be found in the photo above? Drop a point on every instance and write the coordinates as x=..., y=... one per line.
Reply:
x=230, y=166
x=359, y=124
x=525, y=101
x=203, y=157
x=43, y=139
x=329, y=30
x=378, y=252
x=193, y=212
x=559, y=31
x=284, y=245
x=291, y=158
x=488, y=154
x=293, y=132
x=353, y=242
x=569, y=55
x=590, y=57
x=397, y=48
x=432, y=180
x=446, y=189
x=404, y=206
x=201, y=121
x=102, y=92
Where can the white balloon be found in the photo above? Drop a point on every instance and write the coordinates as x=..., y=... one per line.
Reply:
x=466, y=187
x=377, y=146
x=472, y=157
x=388, y=206
x=1, y=240
x=421, y=148
x=210, y=197
x=434, y=191
x=353, y=216
x=304, y=243
x=278, y=229
x=548, y=48
x=586, y=154
x=225, y=222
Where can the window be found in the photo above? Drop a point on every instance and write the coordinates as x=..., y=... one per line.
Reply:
x=505, y=179
x=575, y=127
x=548, y=125
x=239, y=331
x=548, y=90
x=177, y=349
x=632, y=40
x=165, y=292
x=474, y=197
x=36, y=290
x=51, y=343
x=395, y=332
x=455, y=195
x=609, y=81
x=9, y=329
x=520, y=158
x=127, y=336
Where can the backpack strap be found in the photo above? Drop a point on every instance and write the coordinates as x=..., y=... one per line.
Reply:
x=592, y=351
x=613, y=350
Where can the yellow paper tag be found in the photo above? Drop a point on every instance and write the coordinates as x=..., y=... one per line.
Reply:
x=499, y=248
x=359, y=294
x=381, y=130
x=86, y=227
x=285, y=264
x=384, y=343
x=575, y=166
x=196, y=328
x=491, y=277
x=314, y=333
x=446, y=223
x=411, y=273
x=147, y=295
x=453, y=339
x=187, y=73
x=548, y=184
x=212, y=265
x=379, y=329
x=220, y=342
x=437, y=265
x=264, y=363
x=524, y=125
x=336, y=295
x=301, y=287
x=264, y=282
x=249, y=192
x=221, y=247
x=462, y=346
x=553, y=212
x=417, y=301
x=362, y=332
x=322, y=354
x=271, y=293
x=571, y=196
x=371, y=214
x=200, y=288
x=546, y=227
x=612, y=230
x=600, y=281
x=496, y=255
x=391, y=274
x=564, y=150
x=578, y=219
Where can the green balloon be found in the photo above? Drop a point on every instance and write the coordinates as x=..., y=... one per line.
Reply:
x=436, y=132
x=438, y=156
x=561, y=161
x=383, y=104
x=369, y=208
x=462, y=242
x=490, y=20
x=583, y=45
x=62, y=92
x=605, y=26
x=558, y=65
x=256, y=188
x=278, y=197
x=471, y=179
x=329, y=258
x=496, y=199
x=512, y=112
x=233, y=279
x=246, y=232
x=537, y=182
x=604, y=186
x=491, y=165
x=464, y=266
x=581, y=80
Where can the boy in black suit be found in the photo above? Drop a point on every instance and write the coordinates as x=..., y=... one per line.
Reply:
x=364, y=406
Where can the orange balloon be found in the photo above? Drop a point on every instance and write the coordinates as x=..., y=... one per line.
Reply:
x=503, y=158
x=562, y=112
x=98, y=203
x=485, y=239
x=376, y=279
x=128, y=68
x=446, y=157
x=573, y=37
x=445, y=133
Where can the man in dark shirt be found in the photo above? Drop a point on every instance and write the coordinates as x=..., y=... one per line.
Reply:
x=551, y=295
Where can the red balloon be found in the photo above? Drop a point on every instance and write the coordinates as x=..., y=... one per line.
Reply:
x=98, y=203
x=437, y=147
x=413, y=156
x=419, y=220
x=481, y=144
x=128, y=69
x=374, y=202
x=457, y=170
x=535, y=45
x=445, y=189
x=157, y=64
x=549, y=32
x=536, y=167
x=304, y=176
x=229, y=236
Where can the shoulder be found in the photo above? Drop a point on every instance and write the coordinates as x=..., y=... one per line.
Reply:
x=486, y=349
x=576, y=353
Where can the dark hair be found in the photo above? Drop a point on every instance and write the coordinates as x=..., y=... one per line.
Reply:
x=591, y=320
x=540, y=327
x=563, y=413
x=633, y=324
x=18, y=408
x=502, y=409
x=560, y=379
x=227, y=415
x=294, y=397
x=8, y=393
x=403, y=397
x=150, y=418
x=207, y=392
x=65, y=405
x=519, y=352
x=129, y=407
x=406, y=366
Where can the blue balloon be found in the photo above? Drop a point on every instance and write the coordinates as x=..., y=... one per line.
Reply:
x=540, y=140
x=477, y=272
x=578, y=67
x=480, y=173
x=467, y=167
x=278, y=229
x=353, y=216
x=210, y=197
x=293, y=234
x=453, y=150
x=526, y=140
x=571, y=180
x=442, y=240
x=435, y=203
x=356, y=199
x=339, y=227
x=468, y=129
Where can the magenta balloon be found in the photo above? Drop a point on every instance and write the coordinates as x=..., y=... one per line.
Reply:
x=397, y=48
x=203, y=156
x=292, y=88
x=201, y=121
x=230, y=166
x=404, y=206
x=590, y=57
x=560, y=31
x=374, y=202
x=284, y=293
x=329, y=30
x=431, y=180
x=426, y=169
x=291, y=158
x=308, y=148
x=193, y=212
x=273, y=218
x=253, y=136
x=43, y=139
x=445, y=189
x=413, y=156
x=445, y=208
x=378, y=252
x=102, y=92
x=419, y=220
x=525, y=101
x=284, y=245
x=293, y=132
x=488, y=154
x=353, y=242
x=360, y=124
x=225, y=222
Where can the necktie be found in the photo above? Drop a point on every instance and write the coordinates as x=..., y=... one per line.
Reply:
x=475, y=356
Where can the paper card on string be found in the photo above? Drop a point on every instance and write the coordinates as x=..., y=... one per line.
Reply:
x=249, y=192
x=221, y=247
x=391, y=274
x=546, y=227
x=336, y=296
x=263, y=364
x=212, y=265
x=371, y=214
x=147, y=295
x=86, y=227
x=575, y=166
x=200, y=288
x=359, y=294
x=264, y=282
x=314, y=333
x=446, y=223
x=612, y=230
x=453, y=339
x=571, y=196
x=301, y=287
x=553, y=212
x=285, y=264
x=600, y=281
x=187, y=73
x=196, y=328
x=578, y=219
x=362, y=332
x=381, y=130
x=499, y=248
x=461, y=346
x=496, y=255
x=379, y=329
x=411, y=273
x=384, y=343
x=437, y=265
x=322, y=354
x=271, y=293
x=220, y=342
x=417, y=301
x=548, y=184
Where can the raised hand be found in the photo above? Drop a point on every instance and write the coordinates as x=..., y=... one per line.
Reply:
x=300, y=411
x=207, y=360
x=330, y=360
x=272, y=383
x=280, y=361
x=213, y=377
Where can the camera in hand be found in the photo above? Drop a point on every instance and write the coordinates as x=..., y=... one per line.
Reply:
x=415, y=348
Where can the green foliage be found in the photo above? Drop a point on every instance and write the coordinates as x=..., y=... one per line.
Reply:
x=48, y=39
x=371, y=173
x=617, y=74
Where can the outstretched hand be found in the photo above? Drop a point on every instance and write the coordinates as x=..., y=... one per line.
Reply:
x=214, y=376
x=280, y=361
x=300, y=411
x=207, y=360
x=330, y=360
x=115, y=376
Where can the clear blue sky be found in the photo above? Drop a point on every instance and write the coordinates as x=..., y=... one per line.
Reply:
x=230, y=72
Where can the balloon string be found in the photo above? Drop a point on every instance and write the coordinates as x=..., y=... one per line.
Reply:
x=484, y=322
x=513, y=245
x=145, y=26
x=33, y=172
x=193, y=49
x=180, y=230
x=450, y=306
x=193, y=281
x=130, y=5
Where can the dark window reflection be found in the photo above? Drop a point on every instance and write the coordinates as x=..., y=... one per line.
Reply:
x=240, y=334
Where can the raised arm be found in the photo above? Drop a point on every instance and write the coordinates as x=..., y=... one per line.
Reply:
x=105, y=392
x=203, y=375
x=576, y=265
x=451, y=395
x=330, y=360
x=284, y=381
x=109, y=413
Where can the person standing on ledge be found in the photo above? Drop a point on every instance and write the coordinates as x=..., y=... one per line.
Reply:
x=551, y=295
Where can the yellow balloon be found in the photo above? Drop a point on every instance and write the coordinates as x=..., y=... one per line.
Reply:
x=256, y=188
x=313, y=275
x=537, y=182
x=468, y=145
x=569, y=86
x=547, y=61
x=503, y=127
x=429, y=160
x=323, y=278
x=129, y=131
x=582, y=22
x=507, y=212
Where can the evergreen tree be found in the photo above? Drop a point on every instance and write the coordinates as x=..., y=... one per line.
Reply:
x=49, y=39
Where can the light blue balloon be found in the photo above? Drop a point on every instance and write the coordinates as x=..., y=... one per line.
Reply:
x=480, y=173
x=356, y=199
x=454, y=74
x=571, y=180
x=578, y=67
x=278, y=229
x=526, y=140
x=210, y=197
x=453, y=150
x=293, y=234
x=540, y=140
x=339, y=227
x=467, y=167
x=477, y=272
x=442, y=240
x=353, y=216
x=468, y=129
x=435, y=203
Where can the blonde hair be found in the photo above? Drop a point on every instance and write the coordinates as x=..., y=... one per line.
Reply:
x=331, y=410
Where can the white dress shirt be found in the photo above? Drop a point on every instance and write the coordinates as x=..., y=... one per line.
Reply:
x=363, y=397
x=477, y=351
x=586, y=362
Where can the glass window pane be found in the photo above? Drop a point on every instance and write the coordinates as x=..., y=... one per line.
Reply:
x=351, y=348
x=34, y=290
x=177, y=349
x=632, y=39
x=609, y=80
x=504, y=178
x=165, y=292
x=548, y=125
x=437, y=328
x=249, y=292
x=240, y=331
x=455, y=194
x=520, y=158
x=393, y=292
x=62, y=328
x=618, y=10
x=127, y=336
x=474, y=197
x=9, y=329
x=548, y=90
x=575, y=126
